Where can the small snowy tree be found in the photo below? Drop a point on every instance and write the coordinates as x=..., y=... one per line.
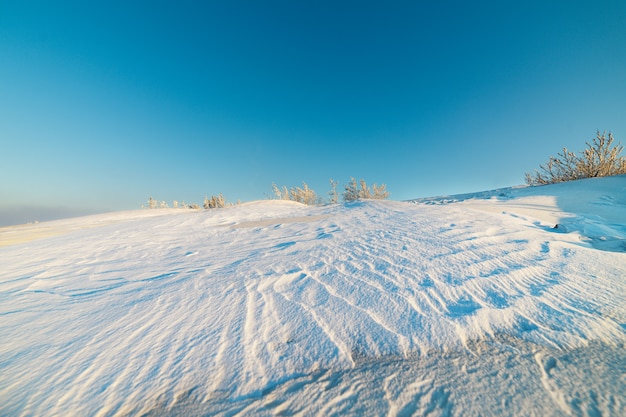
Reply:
x=601, y=158
x=333, y=196
x=356, y=191
x=351, y=192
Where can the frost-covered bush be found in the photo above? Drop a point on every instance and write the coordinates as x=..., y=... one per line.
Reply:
x=303, y=195
x=359, y=190
x=214, y=201
x=154, y=204
x=601, y=158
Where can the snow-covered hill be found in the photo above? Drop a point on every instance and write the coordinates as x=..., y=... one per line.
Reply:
x=464, y=305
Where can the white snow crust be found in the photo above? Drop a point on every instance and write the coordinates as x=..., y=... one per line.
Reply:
x=461, y=305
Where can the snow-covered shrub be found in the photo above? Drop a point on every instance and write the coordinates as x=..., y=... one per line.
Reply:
x=214, y=201
x=356, y=191
x=303, y=195
x=600, y=159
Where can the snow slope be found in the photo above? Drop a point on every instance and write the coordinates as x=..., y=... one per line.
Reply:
x=463, y=305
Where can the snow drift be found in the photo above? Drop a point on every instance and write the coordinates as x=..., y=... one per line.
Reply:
x=462, y=305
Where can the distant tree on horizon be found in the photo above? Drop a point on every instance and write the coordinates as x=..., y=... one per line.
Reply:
x=601, y=158
x=359, y=190
x=333, y=196
x=153, y=204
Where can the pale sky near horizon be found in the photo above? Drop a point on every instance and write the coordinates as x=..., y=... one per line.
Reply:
x=104, y=105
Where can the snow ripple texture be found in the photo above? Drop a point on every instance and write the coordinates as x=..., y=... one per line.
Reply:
x=376, y=308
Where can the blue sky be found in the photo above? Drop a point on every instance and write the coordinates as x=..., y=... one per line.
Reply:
x=104, y=104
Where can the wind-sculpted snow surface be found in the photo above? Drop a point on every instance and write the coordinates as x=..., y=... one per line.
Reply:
x=473, y=307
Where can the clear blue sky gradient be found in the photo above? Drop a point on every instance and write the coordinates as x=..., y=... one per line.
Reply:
x=104, y=105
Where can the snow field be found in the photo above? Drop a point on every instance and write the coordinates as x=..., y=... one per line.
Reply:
x=477, y=307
